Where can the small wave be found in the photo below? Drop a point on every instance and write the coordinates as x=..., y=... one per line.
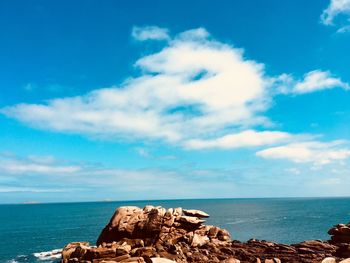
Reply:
x=49, y=255
x=18, y=259
x=236, y=222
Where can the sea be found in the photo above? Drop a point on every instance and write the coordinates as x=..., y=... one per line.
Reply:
x=36, y=232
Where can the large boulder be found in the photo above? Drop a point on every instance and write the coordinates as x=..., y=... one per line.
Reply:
x=156, y=225
x=340, y=236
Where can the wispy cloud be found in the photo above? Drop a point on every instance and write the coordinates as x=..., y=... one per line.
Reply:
x=248, y=138
x=144, y=152
x=314, y=152
x=34, y=164
x=14, y=189
x=150, y=33
x=337, y=8
x=108, y=182
x=114, y=183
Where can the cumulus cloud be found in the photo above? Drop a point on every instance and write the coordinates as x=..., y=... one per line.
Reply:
x=196, y=92
x=312, y=81
x=150, y=33
x=335, y=9
x=314, y=152
x=319, y=80
x=193, y=88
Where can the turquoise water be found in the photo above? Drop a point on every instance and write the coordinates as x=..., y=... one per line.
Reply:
x=26, y=229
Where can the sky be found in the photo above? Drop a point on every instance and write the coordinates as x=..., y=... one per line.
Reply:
x=135, y=100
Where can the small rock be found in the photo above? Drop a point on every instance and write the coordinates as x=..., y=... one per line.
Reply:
x=329, y=260
x=230, y=260
x=191, y=220
x=223, y=235
x=199, y=241
x=196, y=213
x=123, y=249
x=162, y=260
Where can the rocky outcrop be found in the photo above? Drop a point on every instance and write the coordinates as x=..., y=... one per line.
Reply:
x=340, y=233
x=157, y=226
x=340, y=236
x=159, y=235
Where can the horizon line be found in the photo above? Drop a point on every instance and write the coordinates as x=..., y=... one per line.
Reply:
x=174, y=199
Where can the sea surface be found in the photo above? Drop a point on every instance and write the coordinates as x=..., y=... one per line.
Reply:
x=26, y=230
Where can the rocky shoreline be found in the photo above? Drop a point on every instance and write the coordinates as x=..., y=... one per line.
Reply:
x=159, y=235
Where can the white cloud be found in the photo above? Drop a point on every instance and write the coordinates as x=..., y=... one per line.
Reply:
x=312, y=81
x=143, y=152
x=344, y=29
x=335, y=8
x=35, y=165
x=150, y=33
x=196, y=92
x=14, y=189
x=314, y=152
x=151, y=183
x=330, y=181
x=337, y=13
x=194, y=88
x=319, y=80
x=248, y=138
x=294, y=171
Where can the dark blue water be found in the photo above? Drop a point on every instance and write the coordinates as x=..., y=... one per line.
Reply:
x=26, y=229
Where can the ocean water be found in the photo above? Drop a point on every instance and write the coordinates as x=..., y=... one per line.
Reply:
x=29, y=229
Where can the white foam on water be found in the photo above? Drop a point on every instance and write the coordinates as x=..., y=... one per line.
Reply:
x=18, y=259
x=48, y=255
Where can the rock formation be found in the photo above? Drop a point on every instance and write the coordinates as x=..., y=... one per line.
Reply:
x=340, y=236
x=154, y=234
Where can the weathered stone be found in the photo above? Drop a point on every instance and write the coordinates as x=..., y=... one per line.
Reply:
x=345, y=230
x=223, y=235
x=230, y=260
x=178, y=211
x=123, y=249
x=144, y=251
x=71, y=247
x=134, y=260
x=195, y=213
x=191, y=220
x=213, y=232
x=198, y=241
x=162, y=260
x=169, y=218
x=329, y=260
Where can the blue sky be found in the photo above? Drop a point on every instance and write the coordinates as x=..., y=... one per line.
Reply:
x=159, y=100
